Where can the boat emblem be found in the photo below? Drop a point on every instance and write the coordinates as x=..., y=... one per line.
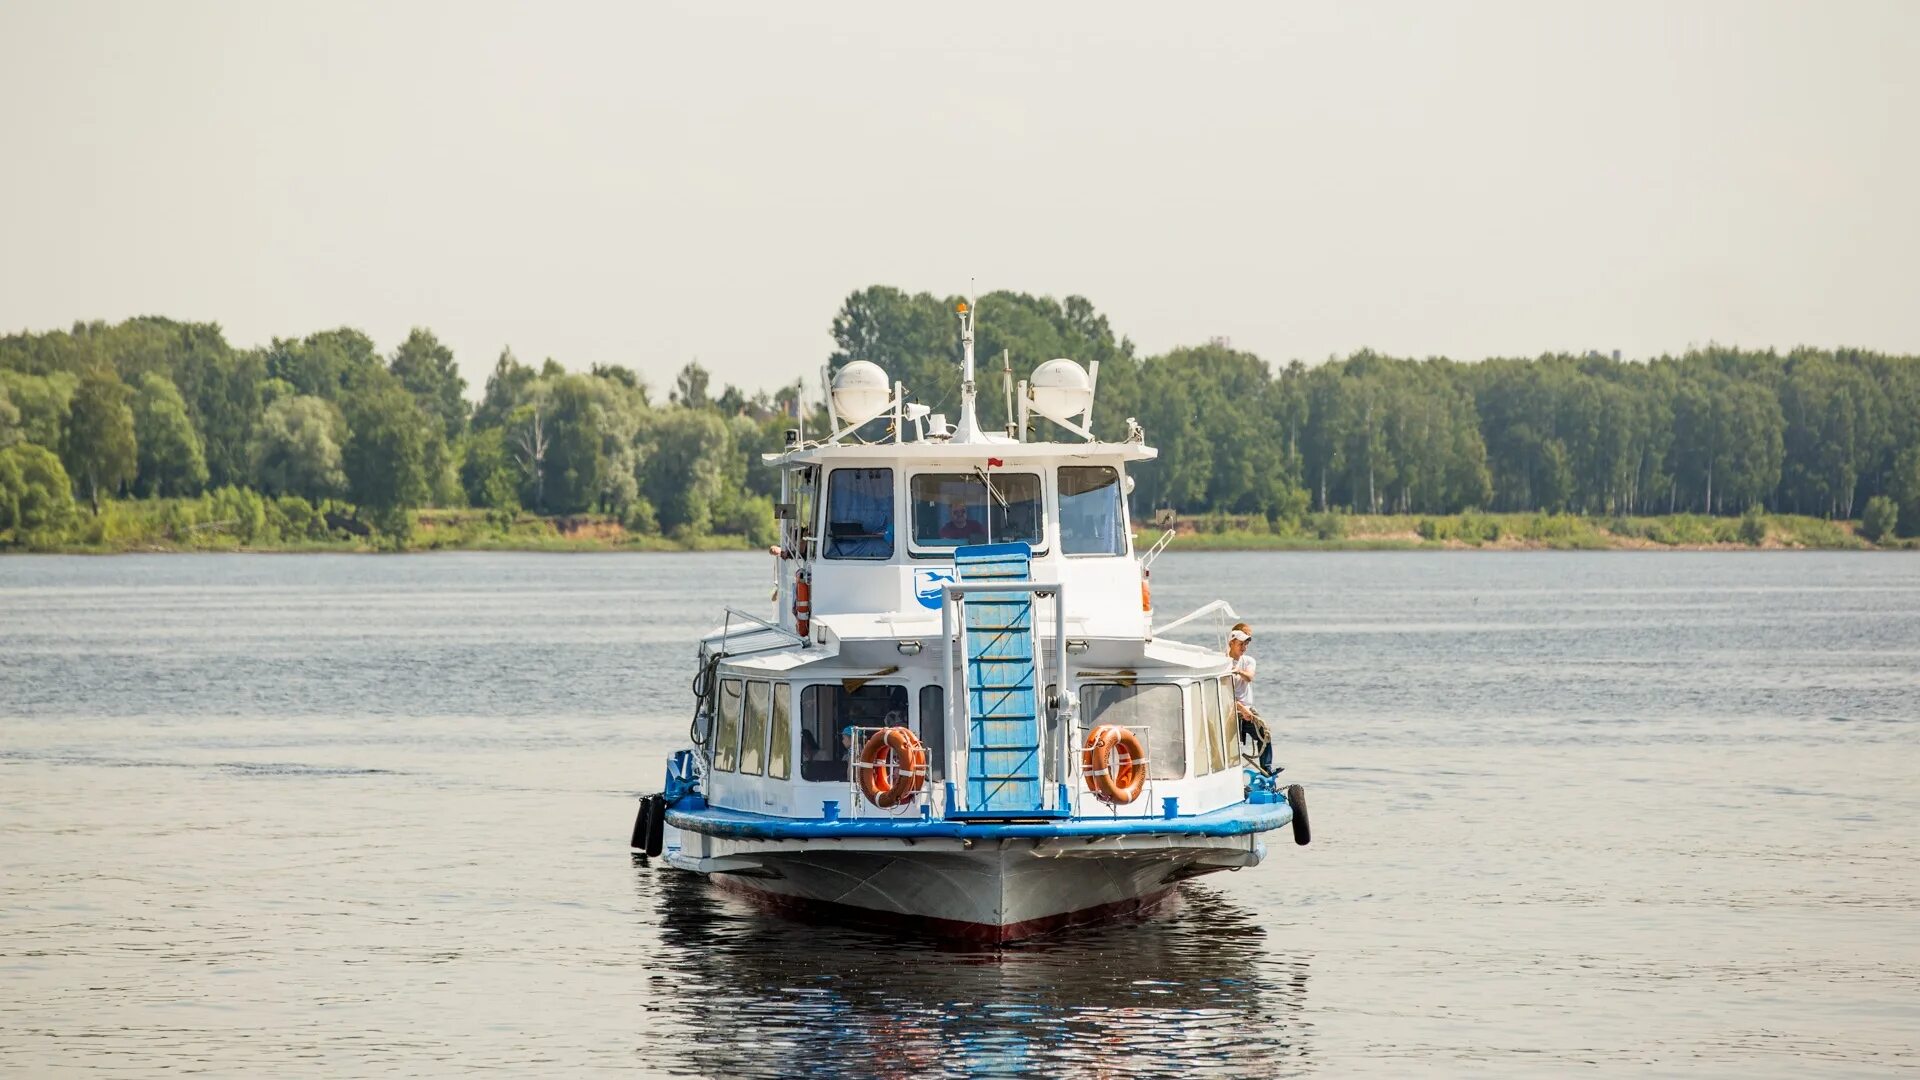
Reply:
x=928, y=581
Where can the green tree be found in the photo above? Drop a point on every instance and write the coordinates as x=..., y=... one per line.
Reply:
x=506, y=390
x=36, y=498
x=1905, y=490
x=684, y=476
x=98, y=444
x=298, y=448
x=426, y=368
x=10, y=430
x=391, y=455
x=225, y=392
x=1880, y=519
x=170, y=461
x=41, y=402
x=327, y=364
x=488, y=473
x=690, y=387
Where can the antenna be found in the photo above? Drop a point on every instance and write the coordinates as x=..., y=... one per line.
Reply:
x=968, y=430
x=1006, y=379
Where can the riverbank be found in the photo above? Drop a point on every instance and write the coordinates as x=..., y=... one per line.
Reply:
x=161, y=525
x=1518, y=532
x=125, y=527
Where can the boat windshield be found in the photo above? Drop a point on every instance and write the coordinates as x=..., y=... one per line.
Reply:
x=953, y=510
x=1090, y=514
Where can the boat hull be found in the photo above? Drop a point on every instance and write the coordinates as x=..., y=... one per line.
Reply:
x=991, y=891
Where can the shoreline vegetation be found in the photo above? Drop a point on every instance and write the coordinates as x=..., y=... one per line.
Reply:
x=157, y=434
x=175, y=526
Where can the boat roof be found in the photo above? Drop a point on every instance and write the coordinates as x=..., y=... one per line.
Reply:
x=931, y=450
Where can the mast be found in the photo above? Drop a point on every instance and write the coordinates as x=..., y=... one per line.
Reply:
x=968, y=429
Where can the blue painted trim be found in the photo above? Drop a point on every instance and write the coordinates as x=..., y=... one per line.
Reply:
x=994, y=551
x=1236, y=820
x=1002, y=815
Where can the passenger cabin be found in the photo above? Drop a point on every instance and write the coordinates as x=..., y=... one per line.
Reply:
x=868, y=632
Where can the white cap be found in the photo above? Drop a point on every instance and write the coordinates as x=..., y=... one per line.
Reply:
x=1239, y=635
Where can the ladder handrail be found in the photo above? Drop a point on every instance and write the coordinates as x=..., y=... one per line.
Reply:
x=953, y=599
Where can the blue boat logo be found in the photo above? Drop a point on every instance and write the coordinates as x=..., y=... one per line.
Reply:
x=927, y=583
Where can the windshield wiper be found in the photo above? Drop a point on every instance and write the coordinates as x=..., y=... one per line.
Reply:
x=991, y=490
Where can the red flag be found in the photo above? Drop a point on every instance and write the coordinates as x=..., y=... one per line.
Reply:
x=994, y=463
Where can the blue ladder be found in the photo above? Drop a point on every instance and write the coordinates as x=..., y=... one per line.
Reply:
x=1003, y=722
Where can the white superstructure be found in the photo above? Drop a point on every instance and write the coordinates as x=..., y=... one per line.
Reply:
x=1003, y=681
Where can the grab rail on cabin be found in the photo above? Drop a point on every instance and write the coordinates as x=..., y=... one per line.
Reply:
x=756, y=625
x=1206, y=609
x=1160, y=545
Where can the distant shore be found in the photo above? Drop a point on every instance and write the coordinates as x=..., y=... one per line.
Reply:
x=476, y=530
x=1519, y=532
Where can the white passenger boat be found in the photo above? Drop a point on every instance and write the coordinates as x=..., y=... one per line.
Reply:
x=960, y=715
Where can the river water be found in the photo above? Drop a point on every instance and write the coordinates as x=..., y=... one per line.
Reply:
x=354, y=815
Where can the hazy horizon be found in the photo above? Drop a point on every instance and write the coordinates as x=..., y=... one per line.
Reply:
x=603, y=184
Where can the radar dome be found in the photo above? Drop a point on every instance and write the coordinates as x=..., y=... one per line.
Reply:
x=1060, y=389
x=861, y=391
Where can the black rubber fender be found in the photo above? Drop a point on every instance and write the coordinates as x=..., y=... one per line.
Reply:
x=1297, y=798
x=642, y=825
x=657, y=827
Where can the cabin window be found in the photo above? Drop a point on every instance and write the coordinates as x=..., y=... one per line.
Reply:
x=860, y=514
x=1216, y=740
x=1092, y=519
x=726, y=742
x=1229, y=720
x=1202, y=733
x=953, y=510
x=826, y=714
x=933, y=730
x=1152, y=710
x=753, y=731
x=780, y=733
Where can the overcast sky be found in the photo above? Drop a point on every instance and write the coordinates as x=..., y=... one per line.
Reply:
x=645, y=184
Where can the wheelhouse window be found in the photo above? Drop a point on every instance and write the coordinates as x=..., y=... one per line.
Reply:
x=1152, y=710
x=726, y=741
x=953, y=510
x=753, y=731
x=860, y=514
x=1092, y=519
x=827, y=713
x=780, y=733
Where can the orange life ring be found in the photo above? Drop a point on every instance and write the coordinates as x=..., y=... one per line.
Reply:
x=893, y=766
x=1114, y=764
x=802, y=604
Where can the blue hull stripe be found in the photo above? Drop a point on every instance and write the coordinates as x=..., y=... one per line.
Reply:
x=693, y=815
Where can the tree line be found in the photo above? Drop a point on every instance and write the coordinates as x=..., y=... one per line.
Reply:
x=325, y=432
x=1717, y=431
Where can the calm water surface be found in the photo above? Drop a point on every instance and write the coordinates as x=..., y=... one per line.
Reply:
x=1620, y=813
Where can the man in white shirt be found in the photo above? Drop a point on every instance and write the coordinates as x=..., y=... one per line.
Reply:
x=1251, y=726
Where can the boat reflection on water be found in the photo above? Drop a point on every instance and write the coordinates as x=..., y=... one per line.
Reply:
x=746, y=991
